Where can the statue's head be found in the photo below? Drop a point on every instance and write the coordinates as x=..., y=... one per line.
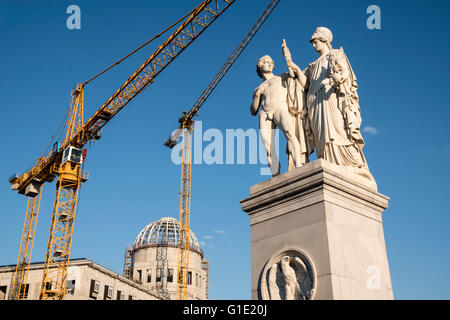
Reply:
x=322, y=37
x=264, y=65
x=285, y=259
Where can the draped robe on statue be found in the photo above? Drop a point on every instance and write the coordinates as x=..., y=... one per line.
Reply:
x=333, y=116
x=296, y=106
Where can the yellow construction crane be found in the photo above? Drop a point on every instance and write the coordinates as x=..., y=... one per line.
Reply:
x=66, y=159
x=185, y=129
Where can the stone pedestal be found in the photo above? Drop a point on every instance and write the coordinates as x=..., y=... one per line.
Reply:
x=332, y=222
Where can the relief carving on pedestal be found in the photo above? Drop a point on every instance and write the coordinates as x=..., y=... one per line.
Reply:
x=288, y=276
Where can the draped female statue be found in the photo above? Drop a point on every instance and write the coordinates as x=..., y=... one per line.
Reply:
x=332, y=117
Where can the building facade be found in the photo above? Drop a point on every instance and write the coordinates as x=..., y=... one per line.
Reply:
x=86, y=280
x=150, y=271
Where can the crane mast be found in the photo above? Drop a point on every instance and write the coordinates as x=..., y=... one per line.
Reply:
x=70, y=177
x=185, y=212
x=65, y=161
x=20, y=277
x=185, y=130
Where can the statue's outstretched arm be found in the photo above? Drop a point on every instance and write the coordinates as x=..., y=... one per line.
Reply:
x=292, y=66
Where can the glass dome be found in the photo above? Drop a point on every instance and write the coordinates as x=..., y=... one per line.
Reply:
x=164, y=231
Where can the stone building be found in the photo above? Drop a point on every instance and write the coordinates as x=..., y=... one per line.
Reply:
x=86, y=280
x=154, y=260
x=150, y=271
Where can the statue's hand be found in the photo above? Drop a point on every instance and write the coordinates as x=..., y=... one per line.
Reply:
x=291, y=64
x=285, y=50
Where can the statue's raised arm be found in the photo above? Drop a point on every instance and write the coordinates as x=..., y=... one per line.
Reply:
x=294, y=70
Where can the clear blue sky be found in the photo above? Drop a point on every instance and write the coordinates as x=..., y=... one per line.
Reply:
x=402, y=73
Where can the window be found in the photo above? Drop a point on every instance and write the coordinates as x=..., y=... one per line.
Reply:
x=72, y=154
x=95, y=289
x=66, y=155
x=3, y=292
x=139, y=276
x=158, y=275
x=76, y=155
x=56, y=147
x=189, y=277
x=120, y=295
x=130, y=297
x=71, y=286
x=108, y=292
x=196, y=279
x=149, y=275
x=170, y=276
x=24, y=290
x=48, y=286
x=97, y=286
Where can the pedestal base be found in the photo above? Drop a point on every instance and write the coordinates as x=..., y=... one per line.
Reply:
x=335, y=226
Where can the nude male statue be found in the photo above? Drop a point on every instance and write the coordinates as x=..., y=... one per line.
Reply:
x=271, y=97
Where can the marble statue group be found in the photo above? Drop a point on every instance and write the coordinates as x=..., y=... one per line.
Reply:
x=317, y=228
x=316, y=108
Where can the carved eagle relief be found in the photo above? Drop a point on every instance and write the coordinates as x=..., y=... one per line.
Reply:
x=289, y=279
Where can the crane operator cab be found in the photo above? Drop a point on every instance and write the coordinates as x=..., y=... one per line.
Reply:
x=72, y=154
